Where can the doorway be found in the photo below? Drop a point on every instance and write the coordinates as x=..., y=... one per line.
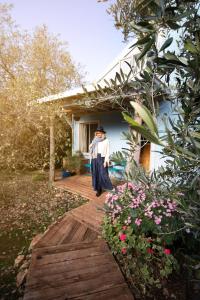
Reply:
x=145, y=154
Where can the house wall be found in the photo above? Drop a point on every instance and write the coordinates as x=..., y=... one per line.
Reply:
x=156, y=159
x=113, y=124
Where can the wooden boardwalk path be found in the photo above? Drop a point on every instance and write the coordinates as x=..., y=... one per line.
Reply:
x=71, y=261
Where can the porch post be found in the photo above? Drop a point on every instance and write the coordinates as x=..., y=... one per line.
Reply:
x=52, y=152
x=72, y=127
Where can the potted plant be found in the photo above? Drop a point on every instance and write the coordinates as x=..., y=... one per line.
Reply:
x=73, y=164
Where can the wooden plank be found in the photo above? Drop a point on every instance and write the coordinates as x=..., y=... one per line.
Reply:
x=51, y=258
x=72, y=273
x=67, y=234
x=77, y=236
x=75, y=287
x=79, y=184
x=90, y=235
x=61, y=267
x=120, y=292
x=52, y=236
x=38, y=254
x=70, y=247
x=89, y=212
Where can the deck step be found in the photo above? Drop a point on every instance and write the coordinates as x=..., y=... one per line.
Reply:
x=77, y=271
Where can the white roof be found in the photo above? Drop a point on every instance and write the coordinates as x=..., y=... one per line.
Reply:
x=119, y=63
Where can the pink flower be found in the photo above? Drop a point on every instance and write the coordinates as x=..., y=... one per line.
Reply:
x=114, y=197
x=138, y=221
x=122, y=237
x=124, y=227
x=108, y=196
x=128, y=221
x=149, y=250
x=168, y=214
x=167, y=251
x=124, y=250
x=121, y=188
x=158, y=220
x=131, y=185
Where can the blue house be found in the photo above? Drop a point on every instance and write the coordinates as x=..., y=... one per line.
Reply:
x=84, y=118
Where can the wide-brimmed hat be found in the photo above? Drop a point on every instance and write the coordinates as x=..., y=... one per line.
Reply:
x=100, y=129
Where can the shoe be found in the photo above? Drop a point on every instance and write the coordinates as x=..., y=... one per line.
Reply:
x=98, y=193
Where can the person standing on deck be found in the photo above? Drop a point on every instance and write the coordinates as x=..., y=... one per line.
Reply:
x=99, y=151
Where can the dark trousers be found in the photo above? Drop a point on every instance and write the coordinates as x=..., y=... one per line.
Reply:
x=100, y=177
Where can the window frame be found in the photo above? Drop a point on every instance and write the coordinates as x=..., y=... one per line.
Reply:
x=87, y=122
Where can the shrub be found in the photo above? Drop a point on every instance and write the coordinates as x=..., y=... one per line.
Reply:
x=73, y=163
x=139, y=226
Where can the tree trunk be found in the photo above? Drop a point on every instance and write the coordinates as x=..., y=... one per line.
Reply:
x=138, y=148
x=52, y=152
x=136, y=154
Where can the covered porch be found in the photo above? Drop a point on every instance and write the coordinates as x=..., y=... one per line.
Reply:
x=83, y=121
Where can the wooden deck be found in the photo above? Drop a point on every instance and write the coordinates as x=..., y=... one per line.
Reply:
x=71, y=260
x=79, y=184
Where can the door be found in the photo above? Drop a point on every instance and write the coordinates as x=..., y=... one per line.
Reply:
x=145, y=155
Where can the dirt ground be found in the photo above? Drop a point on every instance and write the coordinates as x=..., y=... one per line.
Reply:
x=27, y=207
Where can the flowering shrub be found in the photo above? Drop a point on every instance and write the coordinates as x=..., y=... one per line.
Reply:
x=145, y=210
x=139, y=226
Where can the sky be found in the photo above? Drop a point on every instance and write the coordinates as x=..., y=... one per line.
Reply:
x=93, y=41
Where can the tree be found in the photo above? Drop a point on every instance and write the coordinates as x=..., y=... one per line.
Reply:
x=167, y=35
x=31, y=66
x=177, y=67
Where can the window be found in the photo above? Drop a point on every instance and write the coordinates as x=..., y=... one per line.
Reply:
x=86, y=135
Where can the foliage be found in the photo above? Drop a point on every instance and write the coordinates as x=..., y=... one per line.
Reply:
x=31, y=66
x=136, y=220
x=167, y=37
x=73, y=163
x=167, y=40
x=182, y=170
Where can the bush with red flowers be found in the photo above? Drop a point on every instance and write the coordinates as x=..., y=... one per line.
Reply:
x=139, y=226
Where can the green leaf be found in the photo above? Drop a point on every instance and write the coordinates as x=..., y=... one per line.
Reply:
x=122, y=74
x=107, y=83
x=193, y=141
x=171, y=56
x=183, y=60
x=195, y=134
x=140, y=28
x=146, y=116
x=142, y=41
x=166, y=44
x=186, y=152
x=118, y=77
x=189, y=46
x=146, y=48
x=173, y=25
x=142, y=130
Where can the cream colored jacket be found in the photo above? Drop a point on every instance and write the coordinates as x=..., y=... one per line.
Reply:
x=104, y=149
